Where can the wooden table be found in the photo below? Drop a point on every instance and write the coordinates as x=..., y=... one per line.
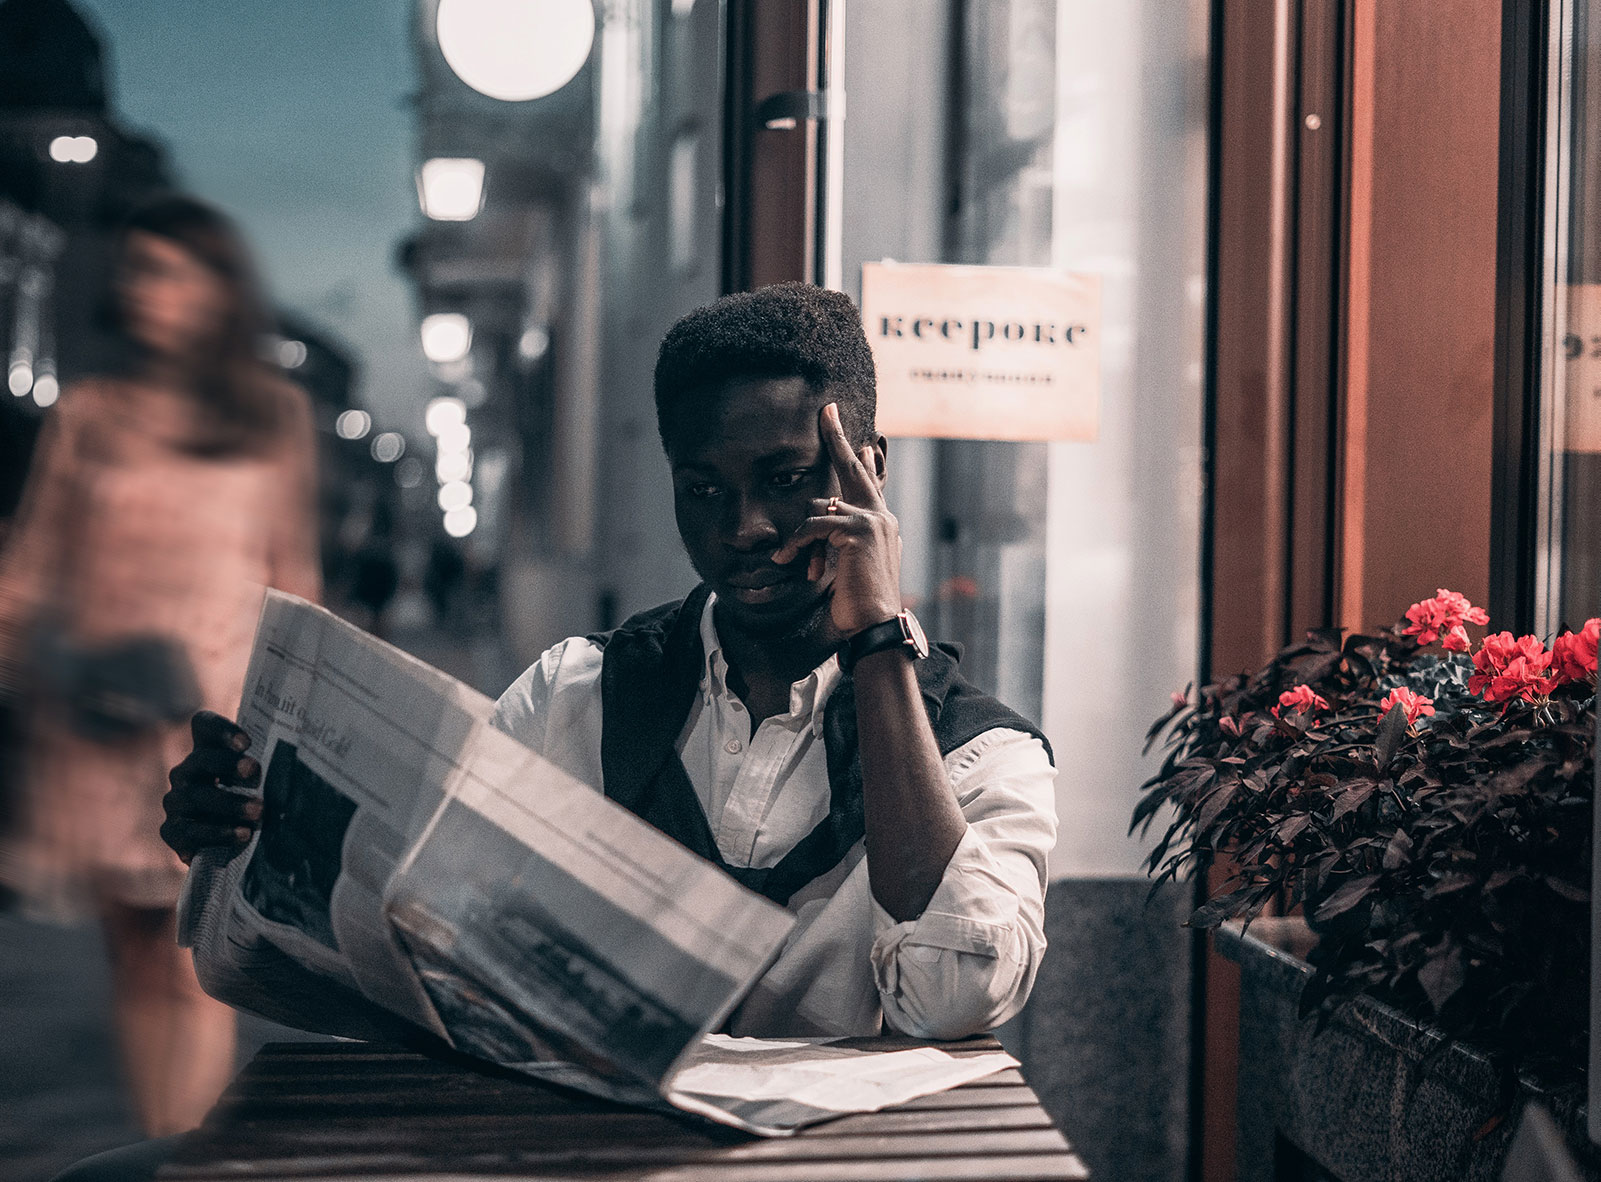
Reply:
x=362, y=1111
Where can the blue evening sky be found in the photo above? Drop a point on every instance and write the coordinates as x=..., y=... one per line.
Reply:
x=292, y=115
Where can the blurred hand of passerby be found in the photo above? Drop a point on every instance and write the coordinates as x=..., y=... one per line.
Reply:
x=204, y=809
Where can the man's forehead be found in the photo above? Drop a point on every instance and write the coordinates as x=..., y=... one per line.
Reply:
x=767, y=415
x=762, y=396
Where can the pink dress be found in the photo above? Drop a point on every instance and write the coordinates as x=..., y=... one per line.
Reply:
x=122, y=532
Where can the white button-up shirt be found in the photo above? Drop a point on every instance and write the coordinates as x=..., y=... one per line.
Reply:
x=966, y=964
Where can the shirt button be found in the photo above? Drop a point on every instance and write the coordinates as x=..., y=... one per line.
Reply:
x=733, y=746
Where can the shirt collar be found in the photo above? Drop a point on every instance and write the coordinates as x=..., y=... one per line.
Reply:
x=808, y=697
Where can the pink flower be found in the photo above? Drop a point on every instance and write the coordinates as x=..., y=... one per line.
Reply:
x=1506, y=668
x=1456, y=640
x=1415, y=705
x=1230, y=726
x=1447, y=611
x=1303, y=699
x=1574, y=653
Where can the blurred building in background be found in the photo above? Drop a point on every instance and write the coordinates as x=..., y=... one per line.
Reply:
x=69, y=172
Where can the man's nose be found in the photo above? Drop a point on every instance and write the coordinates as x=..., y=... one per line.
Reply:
x=749, y=526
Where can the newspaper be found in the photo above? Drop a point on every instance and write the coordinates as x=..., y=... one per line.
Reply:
x=417, y=869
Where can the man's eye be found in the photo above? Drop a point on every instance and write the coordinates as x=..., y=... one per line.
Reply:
x=790, y=479
x=703, y=490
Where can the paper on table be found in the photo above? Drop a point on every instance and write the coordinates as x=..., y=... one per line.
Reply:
x=777, y=1086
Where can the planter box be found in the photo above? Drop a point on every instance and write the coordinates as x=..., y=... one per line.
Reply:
x=1354, y=1103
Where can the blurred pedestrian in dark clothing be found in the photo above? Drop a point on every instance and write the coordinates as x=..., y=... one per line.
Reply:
x=160, y=499
x=375, y=571
x=444, y=582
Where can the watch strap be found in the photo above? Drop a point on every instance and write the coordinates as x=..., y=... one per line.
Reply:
x=874, y=639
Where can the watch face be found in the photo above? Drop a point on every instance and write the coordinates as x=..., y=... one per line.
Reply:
x=914, y=634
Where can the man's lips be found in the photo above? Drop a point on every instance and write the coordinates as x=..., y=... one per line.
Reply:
x=760, y=577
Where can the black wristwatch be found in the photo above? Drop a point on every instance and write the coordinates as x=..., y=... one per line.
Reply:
x=901, y=629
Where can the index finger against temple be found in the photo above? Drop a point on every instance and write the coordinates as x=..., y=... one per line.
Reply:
x=854, y=480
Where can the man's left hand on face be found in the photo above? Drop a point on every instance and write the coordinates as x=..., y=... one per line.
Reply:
x=859, y=532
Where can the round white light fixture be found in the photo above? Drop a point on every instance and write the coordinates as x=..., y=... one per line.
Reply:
x=515, y=50
x=20, y=378
x=388, y=447
x=451, y=188
x=456, y=494
x=533, y=343
x=446, y=337
x=453, y=438
x=461, y=522
x=452, y=465
x=353, y=424
x=73, y=149
x=442, y=413
x=409, y=472
x=46, y=390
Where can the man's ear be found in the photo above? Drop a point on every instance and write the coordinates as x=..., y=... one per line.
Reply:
x=876, y=457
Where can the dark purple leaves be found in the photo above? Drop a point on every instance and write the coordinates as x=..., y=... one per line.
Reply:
x=1353, y=797
x=1442, y=976
x=1391, y=731
x=1347, y=897
x=1443, y=865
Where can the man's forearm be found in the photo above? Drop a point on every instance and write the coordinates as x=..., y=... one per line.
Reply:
x=913, y=822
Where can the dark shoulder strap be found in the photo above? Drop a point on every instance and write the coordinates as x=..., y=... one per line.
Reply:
x=649, y=675
x=959, y=710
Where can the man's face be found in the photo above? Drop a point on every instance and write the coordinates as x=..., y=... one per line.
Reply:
x=743, y=479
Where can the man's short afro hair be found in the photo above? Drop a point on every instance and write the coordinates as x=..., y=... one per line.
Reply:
x=786, y=330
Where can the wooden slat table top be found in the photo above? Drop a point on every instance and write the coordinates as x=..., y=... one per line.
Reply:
x=326, y=1112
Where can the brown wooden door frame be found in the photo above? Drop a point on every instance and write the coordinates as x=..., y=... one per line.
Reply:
x=1519, y=245
x=777, y=172
x=1278, y=265
x=1365, y=267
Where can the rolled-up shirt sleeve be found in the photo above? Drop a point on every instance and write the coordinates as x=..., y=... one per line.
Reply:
x=968, y=962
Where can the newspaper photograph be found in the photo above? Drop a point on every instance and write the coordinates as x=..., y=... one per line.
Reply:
x=417, y=869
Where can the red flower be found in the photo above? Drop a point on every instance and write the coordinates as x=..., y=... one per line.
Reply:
x=1574, y=653
x=1415, y=705
x=1506, y=668
x=1303, y=699
x=1456, y=640
x=1445, y=613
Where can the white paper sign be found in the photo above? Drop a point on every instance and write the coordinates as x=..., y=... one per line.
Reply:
x=984, y=352
x=1582, y=350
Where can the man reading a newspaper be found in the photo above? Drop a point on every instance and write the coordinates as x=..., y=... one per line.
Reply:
x=786, y=720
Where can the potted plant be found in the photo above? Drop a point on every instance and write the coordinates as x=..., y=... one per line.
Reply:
x=1426, y=802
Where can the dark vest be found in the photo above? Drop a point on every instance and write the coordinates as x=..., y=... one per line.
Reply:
x=650, y=674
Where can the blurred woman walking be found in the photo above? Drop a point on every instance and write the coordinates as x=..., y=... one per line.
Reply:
x=160, y=500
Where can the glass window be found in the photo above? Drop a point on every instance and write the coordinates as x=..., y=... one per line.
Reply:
x=1569, y=581
x=1068, y=134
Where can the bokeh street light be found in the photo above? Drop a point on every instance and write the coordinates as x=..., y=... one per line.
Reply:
x=453, y=437
x=455, y=494
x=442, y=413
x=515, y=50
x=388, y=447
x=446, y=337
x=73, y=149
x=461, y=522
x=451, y=188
